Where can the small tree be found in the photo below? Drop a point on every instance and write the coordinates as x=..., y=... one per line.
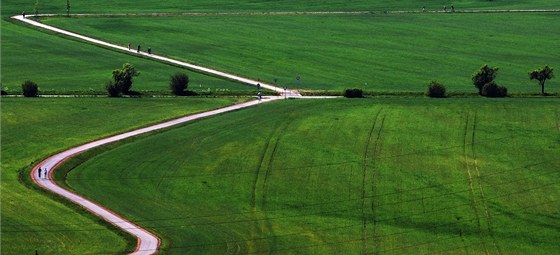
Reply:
x=353, y=93
x=179, y=83
x=123, y=78
x=484, y=76
x=436, y=89
x=30, y=89
x=68, y=8
x=542, y=74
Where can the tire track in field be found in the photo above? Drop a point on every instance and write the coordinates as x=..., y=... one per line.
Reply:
x=471, y=185
x=259, y=227
x=482, y=195
x=376, y=152
x=364, y=175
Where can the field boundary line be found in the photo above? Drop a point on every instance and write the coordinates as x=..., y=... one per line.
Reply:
x=290, y=13
x=474, y=204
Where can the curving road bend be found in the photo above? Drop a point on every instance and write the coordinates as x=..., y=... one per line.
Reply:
x=289, y=93
x=148, y=243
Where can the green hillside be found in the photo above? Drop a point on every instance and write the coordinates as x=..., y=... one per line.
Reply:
x=344, y=176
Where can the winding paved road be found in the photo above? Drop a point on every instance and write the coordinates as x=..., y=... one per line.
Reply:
x=148, y=243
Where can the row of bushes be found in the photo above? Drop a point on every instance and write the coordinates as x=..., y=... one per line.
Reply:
x=483, y=80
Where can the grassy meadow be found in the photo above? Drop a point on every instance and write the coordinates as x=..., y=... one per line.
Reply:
x=173, y=6
x=382, y=53
x=35, y=128
x=65, y=66
x=387, y=176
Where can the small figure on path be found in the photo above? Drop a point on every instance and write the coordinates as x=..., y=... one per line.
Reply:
x=259, y=95
x=23, y=14
x=445, y=8
x=128, y=46
x=46, y=176
x=149, y=50
x=138, y=50
x=452, y=8
x=39, y=172
x=259, y=86
x=423, y=8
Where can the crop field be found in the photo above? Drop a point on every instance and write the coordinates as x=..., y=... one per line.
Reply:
x=35, y=128
x=174, y=6
x=384, y=175
x=333, y=52
x=65, y=66
x=456, y=176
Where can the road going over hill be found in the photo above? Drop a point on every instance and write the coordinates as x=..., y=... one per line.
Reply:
x=148, y=243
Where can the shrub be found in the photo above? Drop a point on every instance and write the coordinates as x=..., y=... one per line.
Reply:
x=123, y=78
x=436, y=89
x=353, y=93
x=178, y=83
x=112, y=89
x=30, y=89
x=494, y=90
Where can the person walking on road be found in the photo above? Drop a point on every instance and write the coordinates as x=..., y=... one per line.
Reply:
x=259, y=95
x=23, y=14
x=39, y=172
x=128, y=46
x=46, y=176
x=138, y=50
x=149, y=50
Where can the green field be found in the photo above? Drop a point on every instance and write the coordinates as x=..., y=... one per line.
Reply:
x=35, y=128
x=383, y=175
x=386, y=176
x=146, y=6
x=373, y=52
x=65, y=66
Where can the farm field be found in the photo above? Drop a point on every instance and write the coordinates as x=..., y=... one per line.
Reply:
x=410, y=175
x=381, y=53
x=119, y=6
x=35, y=128
x=69, y=67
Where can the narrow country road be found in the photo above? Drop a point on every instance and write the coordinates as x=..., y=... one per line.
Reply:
x=289, y=93
x=148, y=243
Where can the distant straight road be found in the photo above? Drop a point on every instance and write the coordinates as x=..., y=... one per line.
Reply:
x=289, y=93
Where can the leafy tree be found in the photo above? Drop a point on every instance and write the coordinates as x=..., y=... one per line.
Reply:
x=30, y=89
x=542, y=74
x=436, y=89
x=179, y=83
x=123, y=78
x=484, y=76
